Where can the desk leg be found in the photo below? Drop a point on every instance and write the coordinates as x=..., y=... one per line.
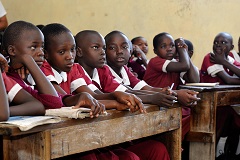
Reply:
x=173, y=140
x=203, y=128
x=31, y=147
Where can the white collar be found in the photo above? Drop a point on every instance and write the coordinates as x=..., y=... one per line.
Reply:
x=95, y=76
x=59, y=76
x=231, y=60
x=125, y=80
x=30, y=80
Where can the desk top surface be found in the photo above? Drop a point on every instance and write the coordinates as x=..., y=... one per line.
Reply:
x=8, y=129
x=208, y=89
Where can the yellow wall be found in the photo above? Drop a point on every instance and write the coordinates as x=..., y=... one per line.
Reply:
x=196, y=20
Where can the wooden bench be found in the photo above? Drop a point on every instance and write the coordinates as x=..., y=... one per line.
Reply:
x=202, y=135
x=75, y=135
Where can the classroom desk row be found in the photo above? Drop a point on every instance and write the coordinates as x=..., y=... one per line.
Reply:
x=79, y=135
x=74, y=136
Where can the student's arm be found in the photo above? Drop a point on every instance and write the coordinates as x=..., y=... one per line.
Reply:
x=24, y=104
x=4, y=106
x=121, y=97
x=140, y=54
x=221, y=59
x=157, y=98
x=42, y=84
x=184, y=61
x=113, y=104
x=192, y=75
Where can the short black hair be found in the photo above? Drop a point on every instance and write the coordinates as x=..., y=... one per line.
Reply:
x=189, y=44
x=157, y=38
x=14, y=31
x=52, y=30
x=80, y=35
x=40, y=26
x=109, y=35
x=134, y=39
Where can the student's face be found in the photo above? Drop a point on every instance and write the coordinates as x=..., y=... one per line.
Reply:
x=117, y=50
x=93, y=51
x=61, y=52
x=142, y=43
x=166, y=47
x=31, y=43
x=222, y=44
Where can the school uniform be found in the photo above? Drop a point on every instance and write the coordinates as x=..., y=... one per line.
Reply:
x=49, y=101
x=12, y=87
x=68, y=81
x=127, y=78
x=156, y=75
x=101, y=80
x=137, y=66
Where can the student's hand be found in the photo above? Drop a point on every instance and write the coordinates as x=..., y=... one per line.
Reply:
x=162, y=99
x=139, y=53
x=187, y=97
x=132, y=101
x=3, y=63
x=167, y=90
x=217, y=58
x=22, y=72
x=86, y=100
x=121, y=107
x=180, y=43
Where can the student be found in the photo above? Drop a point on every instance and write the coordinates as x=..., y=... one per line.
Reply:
x=14, y=100
x=91, y=55
x=164, y=69
x=63, y=73
x=138, y=60
x=220, y=67
x=92, y=60
x=23, y=43
x=26, y=55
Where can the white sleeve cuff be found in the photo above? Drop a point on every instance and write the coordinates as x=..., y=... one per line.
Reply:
x=92, y=87
x=121, y=88
x=14, y=90
x=214, y=69
x=77, y=83
x=164, y=68
x=140, y=85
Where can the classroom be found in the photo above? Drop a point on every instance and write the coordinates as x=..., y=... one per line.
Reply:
x=204, y=22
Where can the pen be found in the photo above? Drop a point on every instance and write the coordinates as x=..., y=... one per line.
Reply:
x=172, y=86
x=174, y=101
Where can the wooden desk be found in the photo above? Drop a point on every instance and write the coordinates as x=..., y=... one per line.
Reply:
x=202, y=135
x=74, y=136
